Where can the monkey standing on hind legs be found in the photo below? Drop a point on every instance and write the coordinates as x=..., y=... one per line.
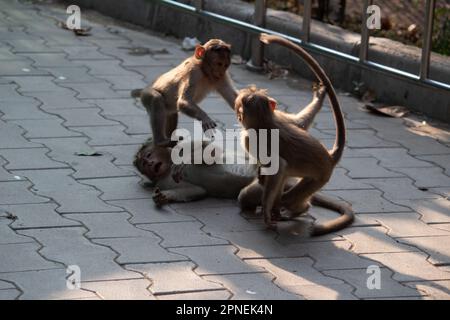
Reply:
x=300, y=154
x=182, y=88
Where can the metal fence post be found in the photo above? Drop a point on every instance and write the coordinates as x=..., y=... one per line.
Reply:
x=427, y=39
x=306, y=28
x=259, y=19
x=198, y=5
x=365, y=36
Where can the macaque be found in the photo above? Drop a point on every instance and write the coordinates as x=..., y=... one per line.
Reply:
x=301, y=156
x=184, y=87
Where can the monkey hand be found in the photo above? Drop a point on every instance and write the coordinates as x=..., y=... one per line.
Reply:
x=177, y=172
x=208, y=124
x=319, y=90
x=159, y=198
x=270, y=223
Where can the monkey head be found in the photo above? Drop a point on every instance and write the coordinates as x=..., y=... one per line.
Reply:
x=254, y=108
x=215, y=58
x=153, y=161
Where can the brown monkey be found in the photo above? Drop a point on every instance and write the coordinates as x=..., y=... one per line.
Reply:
x=300, y=154
x=185, y=86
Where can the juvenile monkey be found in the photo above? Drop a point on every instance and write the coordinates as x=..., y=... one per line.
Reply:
x=185, y=86
x=300, y=155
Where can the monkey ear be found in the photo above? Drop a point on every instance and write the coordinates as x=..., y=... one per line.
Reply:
x=200, y=52
x=273, y=104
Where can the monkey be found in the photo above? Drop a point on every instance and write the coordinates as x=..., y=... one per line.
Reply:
x=185, y=86
x=300, y=155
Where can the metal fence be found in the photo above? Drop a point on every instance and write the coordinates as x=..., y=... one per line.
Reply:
x=258, y=27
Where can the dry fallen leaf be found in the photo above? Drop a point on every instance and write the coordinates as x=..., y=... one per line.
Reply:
x=388, y=111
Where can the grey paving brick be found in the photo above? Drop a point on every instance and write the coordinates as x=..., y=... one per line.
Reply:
x=83, y=117
x=45, y=285
x=124, y=188
x=426, y=177
x=41, y=215
x=55, y=100
x=436, y=247
x=191, y=231
x=105, y=68
x=23, y=257
x=443, y=192
x=441, y=160
x=140, y=250
x=124, y=82
x=70, y=195
x=400, y=189
x=69, y=246
x=389, y=287
x=66, y=75
x=394, y=158
x=122, y=155
x=31, y=46
x=92, y=90
x=9, y=294
x=323, y=292
x=4, y=174
x=6, y=285
x=171, y=278
x=29, y=159
x=21, y=68
x=17, y=192
x=9, y=92
x=365, y=139
x=253, y=287
x=199, y=295
x=409, y=266
x=45, y=128
x=22, y=110
x=144, y=211
x=151, y=73
x=111, y=135
x=9, y=236
x=373, y=240
x=11, y=137
x=135, y=124
x=212, y=260
x=66, y=150
x=84, y=53
x=366, y=168
x=36, y=83
x=340, y=181
x=47, y=59
x=407, y=225
x=367, y=201
x=438, y=290
x=431, y=210
x=121, y=289
x=122, y=106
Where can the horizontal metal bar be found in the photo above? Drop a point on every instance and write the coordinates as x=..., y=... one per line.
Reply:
x=314, y=48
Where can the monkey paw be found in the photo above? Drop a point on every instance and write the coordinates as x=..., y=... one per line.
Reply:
x=208, y=124
x=159, y=198
x=319, y=90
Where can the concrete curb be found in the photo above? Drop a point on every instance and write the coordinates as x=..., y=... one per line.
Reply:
x=389, y=89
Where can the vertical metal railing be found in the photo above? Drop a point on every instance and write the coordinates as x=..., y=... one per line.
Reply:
x=199, y=5
x=427, y=40
x=365, y=33
x=259, y=19
x=306, y=28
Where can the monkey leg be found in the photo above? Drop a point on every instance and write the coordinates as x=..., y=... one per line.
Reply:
x=250, y=197
x=186, y=194
x=297, y=198
x=155, y=105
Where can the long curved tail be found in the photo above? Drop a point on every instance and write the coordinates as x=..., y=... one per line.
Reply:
x=345, y=210
x=338, y=149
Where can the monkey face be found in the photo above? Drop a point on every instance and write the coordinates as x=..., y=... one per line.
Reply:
x=254, y=108
x=217, y=59
x=153, y=162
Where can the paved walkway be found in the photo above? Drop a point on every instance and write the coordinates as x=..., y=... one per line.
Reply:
x=61, y=95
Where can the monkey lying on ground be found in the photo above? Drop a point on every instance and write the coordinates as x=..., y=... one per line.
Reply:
x=300, y=154
x=182, y=88
x=218, y=180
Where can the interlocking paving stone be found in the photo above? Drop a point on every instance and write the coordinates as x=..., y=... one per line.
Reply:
x=199, y=295
x=366, y=168
x=9, y=236
x=69, y=246
x=121, y=289
x=426, y=177
x=84, y=53
x=257, y=286
x=6, y=285
x=45, y=128
x=72, y=196
x=136, y=124
x=21, y=68
x=407, y=225
x=394, y=158
x=441, y=160
x=140, y=250
x=431, y=210
x=105, y=68
x=4, y=174
x=323, y=292
x=37, y=216
x=31, y=46
x=124, y=82
x=124, y=188
x=11, y=137
x=117, y=107
x=9, y=294
x=29, y=159
x=373, y=240
x=175, y=277
x=340, y=181
x=438, y=290
x=123, y=155
x=367, y=201
x=365, y=139
x=144, y=211
x=409, y=266
x=45, y=285
x=191, y=231
x=436, y=247
x=151, y=73
x=66, y=150
x=17, y=192
x=47, y=59
x=23, y=257
x=22, y=110
x=36, y=83
x=389, y=288
x=216, y=260
x=111, y=135
x=400, y=189
x=68, y=74
x=92, y=90
x=83, y=117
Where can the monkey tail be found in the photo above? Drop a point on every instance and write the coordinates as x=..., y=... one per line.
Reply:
x=338, y=148
x=347, y=215
x=136, y=93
